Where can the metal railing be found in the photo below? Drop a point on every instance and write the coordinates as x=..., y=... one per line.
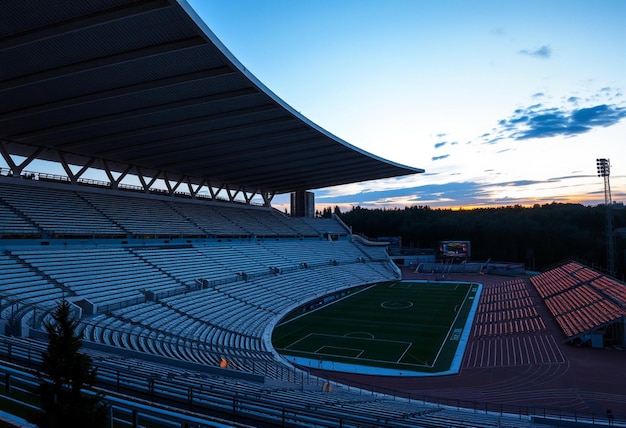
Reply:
x=243, y=406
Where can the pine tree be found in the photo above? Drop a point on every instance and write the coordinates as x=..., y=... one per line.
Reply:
x=64, y=372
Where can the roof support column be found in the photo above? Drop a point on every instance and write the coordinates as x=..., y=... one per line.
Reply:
x=142, y=179
x=248, y=195
x=16, y=170
x=66, y=166
x=213, y=192
x=302, y=204
x=267, y=197
x=231, y=196
x=193, y=192
x=172, y=189
x=239, y=190
x=115, y=183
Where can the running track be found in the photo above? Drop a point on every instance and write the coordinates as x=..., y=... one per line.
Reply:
x=513, y=351
x=530, y=366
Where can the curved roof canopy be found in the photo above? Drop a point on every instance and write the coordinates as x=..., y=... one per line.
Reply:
x=146, y=84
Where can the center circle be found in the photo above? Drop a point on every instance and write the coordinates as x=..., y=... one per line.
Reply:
x=397, y=304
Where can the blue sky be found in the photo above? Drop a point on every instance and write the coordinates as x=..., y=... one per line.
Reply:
x=501, y=102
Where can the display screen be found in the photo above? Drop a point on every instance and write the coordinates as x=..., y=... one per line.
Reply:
x=460, y=249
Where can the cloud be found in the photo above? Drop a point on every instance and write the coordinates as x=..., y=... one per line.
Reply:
x=544, y=52
x=543, y=116
x=516, y=183
x=407, y=192
x=571, y=177
x=538, y=121
x=452, y=194
x=429, y=194
x=601, y=115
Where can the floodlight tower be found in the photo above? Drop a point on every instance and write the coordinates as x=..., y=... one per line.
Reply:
x=604, y=170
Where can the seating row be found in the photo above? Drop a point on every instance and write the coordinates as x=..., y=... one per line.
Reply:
x=508, y=290
x=48, y=210
x=505, y=305
x=506, y=308
x=512, y=314
x=580, y=298
x=109, y=276
x=21, y=286
x=553, y=282
x=584, y=318
x=104, y=276
x=11, y=224
x=346, y=406
x=226, y=321
x=515, y=326
x=31, y=209
x=611, y=288
x=148, y=298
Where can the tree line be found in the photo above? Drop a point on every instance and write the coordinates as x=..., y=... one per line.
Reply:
x=538, y=236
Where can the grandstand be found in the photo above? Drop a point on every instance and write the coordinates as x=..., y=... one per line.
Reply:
x=588, y=306
x=203, y=304
x=158, y=227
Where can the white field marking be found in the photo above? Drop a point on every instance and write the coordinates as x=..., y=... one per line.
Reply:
x=407, y=365
x=410, y=304
x=443, y=343
x=404, y=353
x=319, y=351
x=299, y=340
x=325, y=306
x=407, y=346
x=359, y=332
x=373, y=339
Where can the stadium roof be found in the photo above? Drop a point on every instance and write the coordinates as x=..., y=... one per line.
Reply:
x=145, y=84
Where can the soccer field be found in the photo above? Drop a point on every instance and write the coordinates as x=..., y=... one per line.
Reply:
x=405, y=326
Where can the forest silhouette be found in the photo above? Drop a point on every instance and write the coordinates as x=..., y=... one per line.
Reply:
x=537, y=236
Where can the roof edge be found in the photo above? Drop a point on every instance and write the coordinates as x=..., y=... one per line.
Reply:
x=212, y=37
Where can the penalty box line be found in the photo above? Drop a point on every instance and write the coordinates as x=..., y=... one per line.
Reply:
x=407, y=346
x=318, y=351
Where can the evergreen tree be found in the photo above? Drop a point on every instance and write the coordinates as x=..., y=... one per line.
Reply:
x=64, y=371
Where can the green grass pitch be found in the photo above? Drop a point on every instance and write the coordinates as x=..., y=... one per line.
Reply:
x=411, y=326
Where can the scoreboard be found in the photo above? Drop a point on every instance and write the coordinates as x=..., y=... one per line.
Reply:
x=455, y=249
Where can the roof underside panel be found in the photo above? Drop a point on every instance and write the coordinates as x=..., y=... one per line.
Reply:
x=145, y=83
